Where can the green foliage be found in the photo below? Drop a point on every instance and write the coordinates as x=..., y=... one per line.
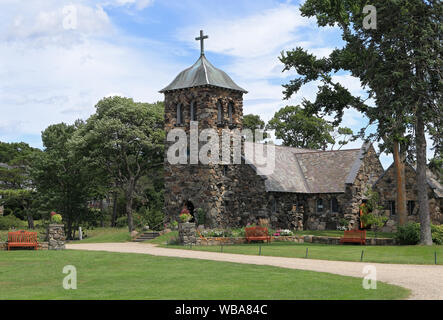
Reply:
x=122, y=222
x=297, y=128
x=254, y=122
x=126, y=139
x=201, y=216
x=437, y=233
x=57, y=218
x=410, y=233
x=10, y=221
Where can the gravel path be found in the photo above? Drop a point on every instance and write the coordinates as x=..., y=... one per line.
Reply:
x=424, y=281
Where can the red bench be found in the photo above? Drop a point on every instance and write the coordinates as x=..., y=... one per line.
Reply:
x=22, y=239
x=354, y=236
x=257, y=233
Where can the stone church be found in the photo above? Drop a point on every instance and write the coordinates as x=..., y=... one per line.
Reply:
x=308, y=189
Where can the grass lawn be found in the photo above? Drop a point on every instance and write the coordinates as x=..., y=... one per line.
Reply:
x=100, y=235
x=384, y=254
x=104, y=275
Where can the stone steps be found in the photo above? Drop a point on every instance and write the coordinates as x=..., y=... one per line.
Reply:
x=146, y=236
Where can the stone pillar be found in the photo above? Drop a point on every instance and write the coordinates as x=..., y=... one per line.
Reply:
x=186, y=233
x=56, y=237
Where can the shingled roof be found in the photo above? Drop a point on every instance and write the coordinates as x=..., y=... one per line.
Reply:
x=312, y=171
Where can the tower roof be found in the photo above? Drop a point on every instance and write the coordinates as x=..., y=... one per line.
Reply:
x=202, y=73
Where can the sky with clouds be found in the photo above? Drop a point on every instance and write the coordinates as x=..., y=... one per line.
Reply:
x=59, y=57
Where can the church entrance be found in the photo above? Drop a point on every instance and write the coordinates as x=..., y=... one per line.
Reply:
x=190, y=206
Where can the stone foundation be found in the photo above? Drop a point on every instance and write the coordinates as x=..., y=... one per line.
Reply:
x=187, y=233
x=214, y=241
x=56, y=237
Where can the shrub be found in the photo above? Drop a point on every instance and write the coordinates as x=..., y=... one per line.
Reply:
x=437, y=233
x=201, y=216
x=10, y=221
x=154, y=218
x=410, y=233
x=121, y=222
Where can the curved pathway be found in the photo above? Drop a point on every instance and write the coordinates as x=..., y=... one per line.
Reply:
x=424, y=281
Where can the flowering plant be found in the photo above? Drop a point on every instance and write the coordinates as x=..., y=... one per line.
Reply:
x=185, y=216
x=57, y=218
x=283, y=232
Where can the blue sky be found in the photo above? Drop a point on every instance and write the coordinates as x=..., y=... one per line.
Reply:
x=54, y=68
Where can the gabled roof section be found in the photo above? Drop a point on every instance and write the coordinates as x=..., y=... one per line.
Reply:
x=431, y=179
x=311, y=171
x=202, y=73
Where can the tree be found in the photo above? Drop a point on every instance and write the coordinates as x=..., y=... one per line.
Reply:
x=17, y=189
x=298, y=128
x=125, y=138
x=399, y=62
x=62, y=178
x=254, y=122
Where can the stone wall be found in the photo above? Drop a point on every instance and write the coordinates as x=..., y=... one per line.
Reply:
x=213, y=241
x=205, y=186
x=386, y=187
x=187, y=233
x=56, y=237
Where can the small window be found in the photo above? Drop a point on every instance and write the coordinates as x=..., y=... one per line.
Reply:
x=193, y=111
x=319, y=205
x=411, y=207
x=179, y=114
x=334, y=205
x=230, y=111
x=391, y=207
x=225, y=170
x=220, y=114
x=274, y=205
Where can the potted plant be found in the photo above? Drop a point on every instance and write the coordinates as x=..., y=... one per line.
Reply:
x=185, y=216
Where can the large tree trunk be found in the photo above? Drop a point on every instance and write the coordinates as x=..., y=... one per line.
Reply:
x=399, y=166
x=102, y=222
x=114, y=210
x=30, y=219
x=422, y=187
x=129, y=198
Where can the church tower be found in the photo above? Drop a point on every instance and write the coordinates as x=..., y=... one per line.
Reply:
x=207, y=95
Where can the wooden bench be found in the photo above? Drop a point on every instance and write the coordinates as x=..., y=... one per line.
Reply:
x=354, y=236
x=257, y=233
x=22, y=239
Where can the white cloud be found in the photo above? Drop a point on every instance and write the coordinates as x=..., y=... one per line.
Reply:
x=49, y=75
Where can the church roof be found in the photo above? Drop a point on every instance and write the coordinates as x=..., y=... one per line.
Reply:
x=431, y=179
x=313, y=171
x=202, y=73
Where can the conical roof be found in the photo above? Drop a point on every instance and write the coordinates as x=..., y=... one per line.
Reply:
x=202, y=73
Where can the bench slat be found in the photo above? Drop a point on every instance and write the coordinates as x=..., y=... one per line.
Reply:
x=22, y=239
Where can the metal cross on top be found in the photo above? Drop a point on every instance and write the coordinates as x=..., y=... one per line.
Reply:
x=201, y=39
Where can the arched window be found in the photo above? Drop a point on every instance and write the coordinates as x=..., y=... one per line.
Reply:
x=230, y=111
x=193, y=111
x=179, y=114
x=220, y=114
